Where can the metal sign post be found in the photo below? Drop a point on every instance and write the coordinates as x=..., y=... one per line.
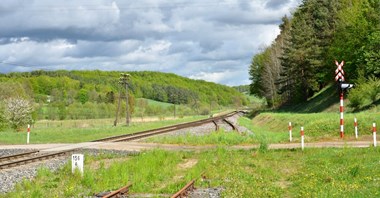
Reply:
x=342, y=86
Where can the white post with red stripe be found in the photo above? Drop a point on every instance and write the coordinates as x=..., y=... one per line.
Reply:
x=290, y=131
x=341, y=116
x=28, y=135
x=374, y=134
x=356, y=127
x=302, y=139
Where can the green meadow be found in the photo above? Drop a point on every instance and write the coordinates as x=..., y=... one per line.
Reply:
x=346, y=172
x=74, y=131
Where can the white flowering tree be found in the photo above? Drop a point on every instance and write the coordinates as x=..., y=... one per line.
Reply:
x=18, y=112
x=3, y=121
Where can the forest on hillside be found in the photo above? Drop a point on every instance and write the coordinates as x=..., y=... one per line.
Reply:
x=300, y=62
x=95, y=94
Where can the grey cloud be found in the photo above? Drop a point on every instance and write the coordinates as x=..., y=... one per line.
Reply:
x=276, y=4
x=205, y=40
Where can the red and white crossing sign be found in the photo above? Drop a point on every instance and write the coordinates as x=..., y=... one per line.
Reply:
x=339, y=71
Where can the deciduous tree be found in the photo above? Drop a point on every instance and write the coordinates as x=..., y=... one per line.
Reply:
x=18, y=112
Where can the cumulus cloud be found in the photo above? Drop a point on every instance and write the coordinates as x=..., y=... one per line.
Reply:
x=213, y=40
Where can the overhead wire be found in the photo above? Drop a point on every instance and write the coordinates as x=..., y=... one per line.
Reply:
x=23, y=65
x=109, y=7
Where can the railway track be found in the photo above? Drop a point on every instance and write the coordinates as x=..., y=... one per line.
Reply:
x=189, y=187
x=34, y=156
x=185, y=190
x=17, y=156
x=29, y=157
x=118, y=193
x=152, y=132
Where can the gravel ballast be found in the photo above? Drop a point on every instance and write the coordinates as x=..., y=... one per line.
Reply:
x=10, y=177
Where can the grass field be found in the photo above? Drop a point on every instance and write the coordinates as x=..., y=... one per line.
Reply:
x=346, y=172
x=255, y=135
x=273, y=128
x=318, y=126
x=265, y=128
x=74, y=131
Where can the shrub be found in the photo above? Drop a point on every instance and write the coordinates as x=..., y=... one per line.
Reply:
x=3, y=121
x=364, y=94
x=356, y=98
x=205, y=111
x=18, y=112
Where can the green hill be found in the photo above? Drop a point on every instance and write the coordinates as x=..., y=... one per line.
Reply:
x=94, y=94
x=95, y=85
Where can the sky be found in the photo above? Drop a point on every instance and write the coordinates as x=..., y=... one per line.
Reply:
x=212, y=40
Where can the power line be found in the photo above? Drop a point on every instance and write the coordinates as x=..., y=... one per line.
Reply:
x=23, y=65
x=126, y=7
x=18, y=64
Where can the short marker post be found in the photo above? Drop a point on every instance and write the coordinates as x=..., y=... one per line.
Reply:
x=290, y=131
x=374, y=134
x=28, y=134
x=302, y=139
x=356, y=127
x=77, y=161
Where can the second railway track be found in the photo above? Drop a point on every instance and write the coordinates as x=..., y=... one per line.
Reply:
x=29, y=157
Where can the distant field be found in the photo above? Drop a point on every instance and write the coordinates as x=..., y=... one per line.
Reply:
x=346, y=172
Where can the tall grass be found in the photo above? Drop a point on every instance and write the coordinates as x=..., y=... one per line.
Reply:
x=149, y=172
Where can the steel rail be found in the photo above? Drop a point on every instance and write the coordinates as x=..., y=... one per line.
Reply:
x=117, y=193
x=19, y=155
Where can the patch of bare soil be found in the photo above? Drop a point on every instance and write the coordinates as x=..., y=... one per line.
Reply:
x=187, y=164
x=181, y=167
x=107, y=162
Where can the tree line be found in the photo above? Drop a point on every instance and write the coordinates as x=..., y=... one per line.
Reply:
x=300, y=61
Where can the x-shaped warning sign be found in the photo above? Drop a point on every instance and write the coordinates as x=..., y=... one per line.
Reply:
x=339, y=71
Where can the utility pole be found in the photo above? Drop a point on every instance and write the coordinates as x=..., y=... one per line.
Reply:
x=118, y=109
x=123, y=80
